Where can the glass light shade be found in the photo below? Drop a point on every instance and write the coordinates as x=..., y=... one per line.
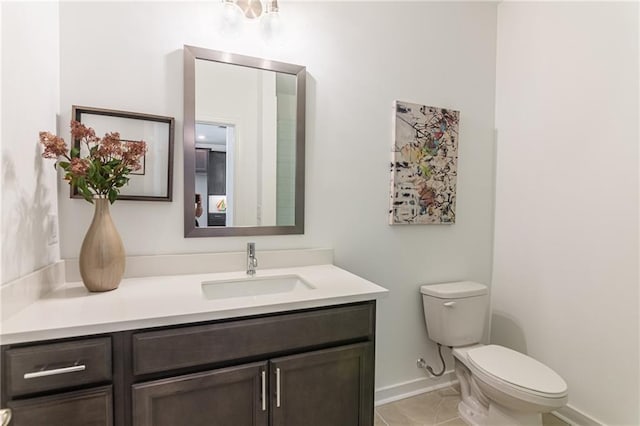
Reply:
x=271, y=25
x=231, y=16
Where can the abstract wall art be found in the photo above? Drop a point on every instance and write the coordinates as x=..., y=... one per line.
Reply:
x=424, y=165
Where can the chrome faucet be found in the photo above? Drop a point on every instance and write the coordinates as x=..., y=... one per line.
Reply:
x=252, y=260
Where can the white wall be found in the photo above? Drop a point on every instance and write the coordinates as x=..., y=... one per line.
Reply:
x=267, y=149
x=360, y=57
x=236, y=103
x=565, y=275
x=30, y=101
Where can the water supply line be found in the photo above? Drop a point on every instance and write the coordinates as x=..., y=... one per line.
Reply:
x=423, y=364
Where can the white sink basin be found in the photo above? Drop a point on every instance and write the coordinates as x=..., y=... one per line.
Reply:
x=254, y=286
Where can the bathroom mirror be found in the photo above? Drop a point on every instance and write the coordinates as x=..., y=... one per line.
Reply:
x=244, y=126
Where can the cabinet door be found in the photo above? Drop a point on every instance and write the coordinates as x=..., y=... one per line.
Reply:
x=202, y=160
x=327, y=387
x=91, y=407
x=233, y=396
x=217, y=173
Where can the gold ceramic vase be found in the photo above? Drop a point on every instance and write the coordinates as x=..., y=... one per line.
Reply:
x=102, y=253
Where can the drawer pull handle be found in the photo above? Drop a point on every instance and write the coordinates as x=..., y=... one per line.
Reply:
x=55, y=371
x=277, y=387
x=264, y=391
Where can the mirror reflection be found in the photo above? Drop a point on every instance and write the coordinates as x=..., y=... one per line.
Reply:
x=243, y=145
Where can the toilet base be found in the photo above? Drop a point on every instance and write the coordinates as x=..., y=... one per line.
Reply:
x=502, y=416
x=471, y=416
x=474, y=406
x=497, y=416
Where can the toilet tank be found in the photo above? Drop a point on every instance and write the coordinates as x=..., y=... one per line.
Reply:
x=455, y=312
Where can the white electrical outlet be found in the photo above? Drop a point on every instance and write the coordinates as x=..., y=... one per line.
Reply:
x=52, y=229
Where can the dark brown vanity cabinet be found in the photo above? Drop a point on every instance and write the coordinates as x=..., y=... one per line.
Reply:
x=309, y=367
x=312, y=367
x=64, y=383
x=327, y=387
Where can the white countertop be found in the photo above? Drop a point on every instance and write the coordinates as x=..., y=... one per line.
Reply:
x=70, y=310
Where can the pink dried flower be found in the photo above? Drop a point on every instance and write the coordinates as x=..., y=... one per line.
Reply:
x=110, y=146
x=79, y=166
x=133, y=153
x=80, y=131
x=54, y=146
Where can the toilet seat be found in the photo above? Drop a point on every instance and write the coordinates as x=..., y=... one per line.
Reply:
x=504, y=368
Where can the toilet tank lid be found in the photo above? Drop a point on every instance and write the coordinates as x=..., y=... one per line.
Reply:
x=454, y=290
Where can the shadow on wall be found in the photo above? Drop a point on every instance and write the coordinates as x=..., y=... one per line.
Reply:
x=24, y=218
x=506, y=331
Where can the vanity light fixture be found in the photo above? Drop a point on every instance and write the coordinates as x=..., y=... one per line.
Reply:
x=265, y=11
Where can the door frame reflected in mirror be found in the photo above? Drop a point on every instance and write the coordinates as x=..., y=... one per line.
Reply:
x=208, y=181
x=191, y=54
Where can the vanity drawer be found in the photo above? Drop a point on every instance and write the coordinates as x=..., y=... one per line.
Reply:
x=79, y=408
x=46, y=367
x=176, y=348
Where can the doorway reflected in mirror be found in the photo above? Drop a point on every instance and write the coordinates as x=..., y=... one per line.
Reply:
x=214, y=175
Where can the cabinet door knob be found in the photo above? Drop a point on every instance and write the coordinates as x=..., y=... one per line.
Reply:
x=5, y=416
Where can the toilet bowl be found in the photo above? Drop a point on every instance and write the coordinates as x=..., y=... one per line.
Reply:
x=498, y=386
x=516, y=387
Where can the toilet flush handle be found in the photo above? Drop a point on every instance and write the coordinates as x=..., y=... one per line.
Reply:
x=449, y=304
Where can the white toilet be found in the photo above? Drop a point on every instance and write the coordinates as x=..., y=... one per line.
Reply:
x=498, y=386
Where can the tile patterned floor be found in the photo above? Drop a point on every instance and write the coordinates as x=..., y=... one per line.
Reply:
x=433, y=408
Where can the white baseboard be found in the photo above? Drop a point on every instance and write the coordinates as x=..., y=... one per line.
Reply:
x=575, y=417
x=414, y=387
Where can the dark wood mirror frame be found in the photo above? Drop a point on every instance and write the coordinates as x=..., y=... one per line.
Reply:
x=192, y=53
x=78, y=111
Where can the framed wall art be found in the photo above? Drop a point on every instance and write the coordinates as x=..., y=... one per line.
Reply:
x=153, y=181
x=424, y=165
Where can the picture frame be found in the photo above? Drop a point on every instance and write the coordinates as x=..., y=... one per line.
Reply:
x=424, y=165
x=154, y=181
